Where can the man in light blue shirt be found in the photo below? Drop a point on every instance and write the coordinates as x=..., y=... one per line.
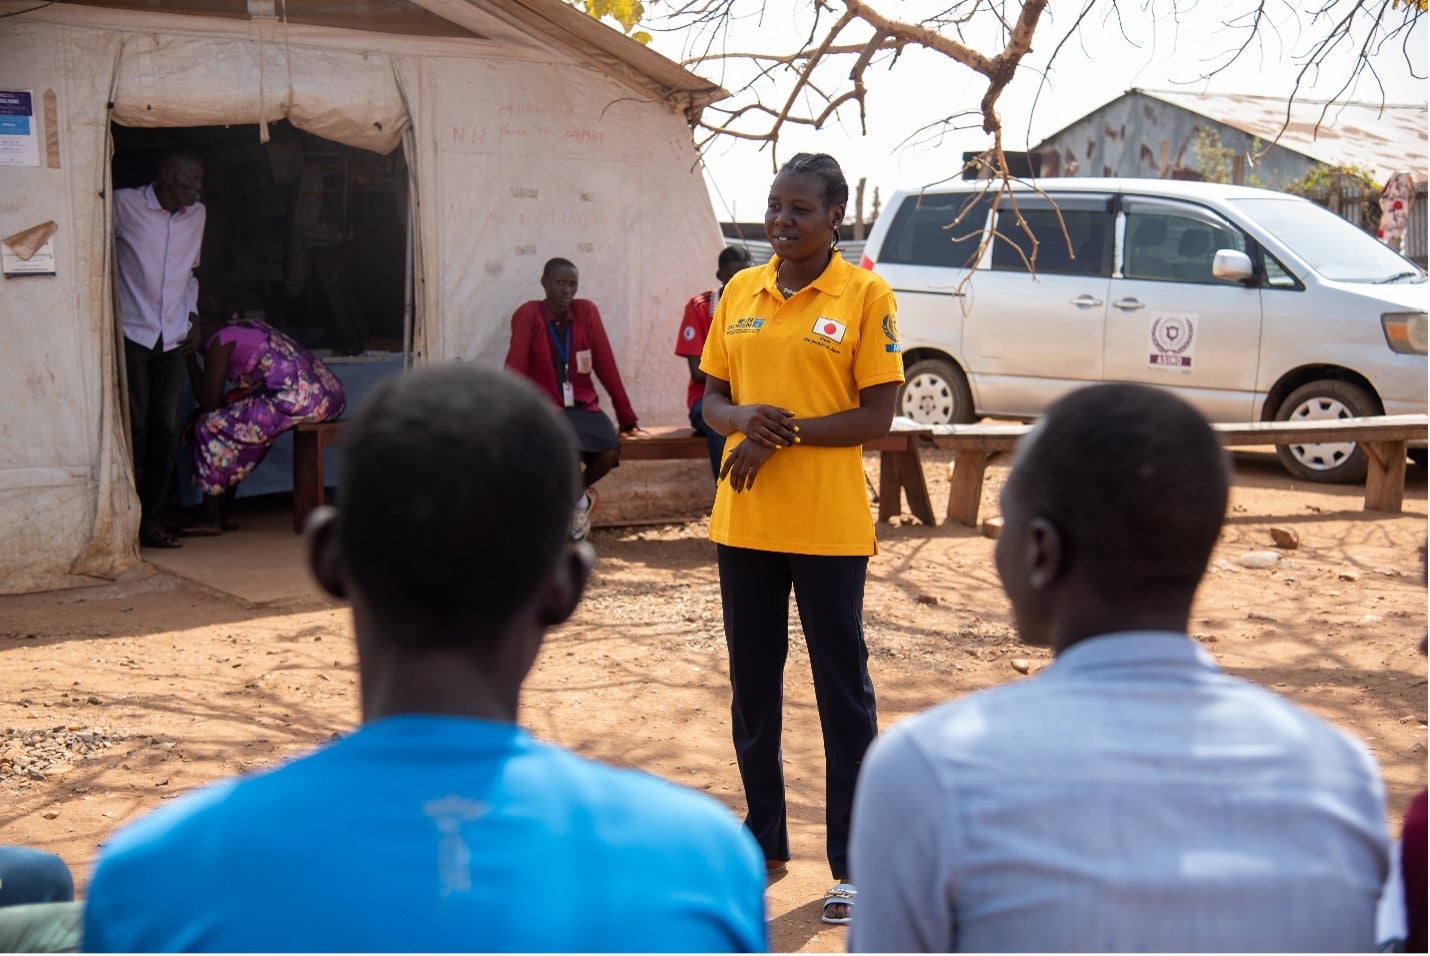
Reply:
x=1131, y=797
x=440, y=825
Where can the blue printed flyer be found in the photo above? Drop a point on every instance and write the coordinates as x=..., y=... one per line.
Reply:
x=19, y=139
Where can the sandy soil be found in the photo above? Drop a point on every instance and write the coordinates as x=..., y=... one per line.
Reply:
x=116, y=698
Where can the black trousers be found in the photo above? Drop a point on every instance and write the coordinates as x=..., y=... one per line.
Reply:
x=829, y=591
x=156, y=383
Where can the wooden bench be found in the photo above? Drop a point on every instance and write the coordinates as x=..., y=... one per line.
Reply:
x=1385, y=439
x=900, y=469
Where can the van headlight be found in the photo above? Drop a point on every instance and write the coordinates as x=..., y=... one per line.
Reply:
x=1404, y=332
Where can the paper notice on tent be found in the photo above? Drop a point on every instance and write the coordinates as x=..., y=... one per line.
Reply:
x=30, y=252
x=19, y=142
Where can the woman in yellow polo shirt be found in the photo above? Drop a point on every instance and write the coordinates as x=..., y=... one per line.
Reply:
x=802, y=365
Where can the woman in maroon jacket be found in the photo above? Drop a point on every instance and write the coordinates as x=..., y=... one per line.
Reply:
x=558, y=342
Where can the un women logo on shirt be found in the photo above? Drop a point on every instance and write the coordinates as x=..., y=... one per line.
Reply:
x=744, y=326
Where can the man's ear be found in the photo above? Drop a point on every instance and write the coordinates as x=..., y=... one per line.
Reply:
x=1046, y=554
x=566, y=583
x=325, y=557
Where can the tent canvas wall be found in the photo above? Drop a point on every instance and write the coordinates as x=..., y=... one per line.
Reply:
x=529, y=131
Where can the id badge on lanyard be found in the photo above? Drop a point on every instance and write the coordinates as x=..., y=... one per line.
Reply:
x=568, y=391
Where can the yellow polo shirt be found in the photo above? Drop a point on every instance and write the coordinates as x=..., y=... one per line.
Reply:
x=810, y=355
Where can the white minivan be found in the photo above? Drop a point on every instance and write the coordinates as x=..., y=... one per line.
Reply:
x=1252, y=305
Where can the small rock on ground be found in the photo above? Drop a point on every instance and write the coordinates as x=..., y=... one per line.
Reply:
x=1286, y=538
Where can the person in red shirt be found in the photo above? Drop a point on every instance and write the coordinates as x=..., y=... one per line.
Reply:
x=559, y=342
x=690, y=342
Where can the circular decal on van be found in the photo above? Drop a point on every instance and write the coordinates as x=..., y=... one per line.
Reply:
x=1172, y=333
x=1172, y=338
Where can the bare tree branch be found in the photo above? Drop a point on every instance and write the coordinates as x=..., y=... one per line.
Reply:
x=828, y=65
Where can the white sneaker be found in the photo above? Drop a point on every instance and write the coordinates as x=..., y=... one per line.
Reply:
x=581, y=517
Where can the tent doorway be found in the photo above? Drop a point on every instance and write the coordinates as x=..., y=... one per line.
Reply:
x=309, y=235
x=306, y=233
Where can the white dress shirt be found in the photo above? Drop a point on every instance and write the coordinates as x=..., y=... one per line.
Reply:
x=156, y=252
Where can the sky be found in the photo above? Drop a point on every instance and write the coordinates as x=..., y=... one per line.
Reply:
x=1103, y=62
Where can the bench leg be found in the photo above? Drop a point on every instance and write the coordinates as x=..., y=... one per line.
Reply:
x=1385, y=475
x=965, y=486
x=307, y=477
x=903, y=471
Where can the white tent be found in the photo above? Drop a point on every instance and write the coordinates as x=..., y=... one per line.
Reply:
x=529, y=131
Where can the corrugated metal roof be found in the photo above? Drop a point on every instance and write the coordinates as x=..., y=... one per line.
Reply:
x=1383, y=139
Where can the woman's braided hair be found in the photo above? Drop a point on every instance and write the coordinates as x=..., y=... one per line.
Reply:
x=825, y=168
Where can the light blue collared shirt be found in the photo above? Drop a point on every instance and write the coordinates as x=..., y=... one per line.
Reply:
x=1130, y=797
x=156, y=253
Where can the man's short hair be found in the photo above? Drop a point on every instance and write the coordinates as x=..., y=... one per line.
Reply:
x=734, y=255
x=457, y=489
x=557, y=263
x=1135, y=481
x=178, y=155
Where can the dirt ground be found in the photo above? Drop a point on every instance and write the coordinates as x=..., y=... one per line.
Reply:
x=223, y=659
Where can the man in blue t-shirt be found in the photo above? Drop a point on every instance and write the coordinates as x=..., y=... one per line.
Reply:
x=439, y=824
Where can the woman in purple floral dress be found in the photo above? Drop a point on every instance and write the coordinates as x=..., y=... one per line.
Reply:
x=277, y=384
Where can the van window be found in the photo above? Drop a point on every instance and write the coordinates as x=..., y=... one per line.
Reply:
x=1089, y=230
x=1327, y=243
x=924, y=232
x=1277, y=275
x=1174, y=244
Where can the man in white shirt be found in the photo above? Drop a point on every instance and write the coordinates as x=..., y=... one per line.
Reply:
x=1131, y=797
x=158, y=232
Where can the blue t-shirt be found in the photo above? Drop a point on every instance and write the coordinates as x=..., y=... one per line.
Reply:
x=428, y=833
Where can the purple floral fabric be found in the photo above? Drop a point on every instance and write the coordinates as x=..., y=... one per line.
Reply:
x=279, y=384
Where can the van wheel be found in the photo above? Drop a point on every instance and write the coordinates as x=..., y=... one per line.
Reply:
x=1330, y=462
x=935, y=392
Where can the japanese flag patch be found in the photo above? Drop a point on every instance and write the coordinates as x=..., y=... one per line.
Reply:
x=829, y=328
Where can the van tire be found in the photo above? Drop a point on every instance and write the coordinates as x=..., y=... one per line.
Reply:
x=935, y=392
x=1328, y=462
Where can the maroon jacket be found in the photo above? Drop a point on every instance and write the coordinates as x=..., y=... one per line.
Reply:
x=533, y=354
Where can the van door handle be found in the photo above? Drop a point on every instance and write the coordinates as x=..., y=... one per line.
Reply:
x=952, y=289
x=1085, y=301
x=1128, y=305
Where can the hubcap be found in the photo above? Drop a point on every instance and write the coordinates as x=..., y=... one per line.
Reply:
x=928, y=400
x=1322, y=456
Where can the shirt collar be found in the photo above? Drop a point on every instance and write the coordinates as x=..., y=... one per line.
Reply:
x=831, y=281
x=1130, y=649
x=151, y=199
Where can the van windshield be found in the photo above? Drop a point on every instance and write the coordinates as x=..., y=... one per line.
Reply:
x=1329, y=244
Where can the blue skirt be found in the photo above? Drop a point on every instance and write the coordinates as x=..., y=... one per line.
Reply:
x=594, y=431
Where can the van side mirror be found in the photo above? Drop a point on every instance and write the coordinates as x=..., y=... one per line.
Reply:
x=1232, y=264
